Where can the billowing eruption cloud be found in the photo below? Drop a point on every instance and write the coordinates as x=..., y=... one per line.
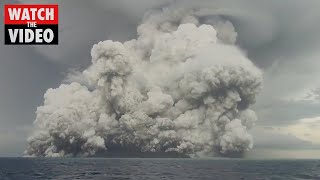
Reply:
x=181, y=87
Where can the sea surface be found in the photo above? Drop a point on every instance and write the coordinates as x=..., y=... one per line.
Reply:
x=181, y=169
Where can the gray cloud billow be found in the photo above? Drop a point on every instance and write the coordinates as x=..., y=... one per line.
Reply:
x=181, y=86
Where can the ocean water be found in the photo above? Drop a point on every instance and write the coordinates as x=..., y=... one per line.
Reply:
x=139, y=169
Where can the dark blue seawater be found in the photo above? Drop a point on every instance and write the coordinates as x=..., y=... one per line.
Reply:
x=182, y=169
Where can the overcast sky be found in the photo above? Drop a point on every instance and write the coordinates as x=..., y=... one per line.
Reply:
x=281, y=37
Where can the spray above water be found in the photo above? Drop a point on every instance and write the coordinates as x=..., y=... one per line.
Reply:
x=181, y=87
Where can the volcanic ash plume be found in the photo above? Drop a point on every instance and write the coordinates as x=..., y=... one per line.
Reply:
x=179, y=87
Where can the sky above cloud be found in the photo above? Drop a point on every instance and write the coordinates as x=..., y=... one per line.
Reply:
x=280, y=37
